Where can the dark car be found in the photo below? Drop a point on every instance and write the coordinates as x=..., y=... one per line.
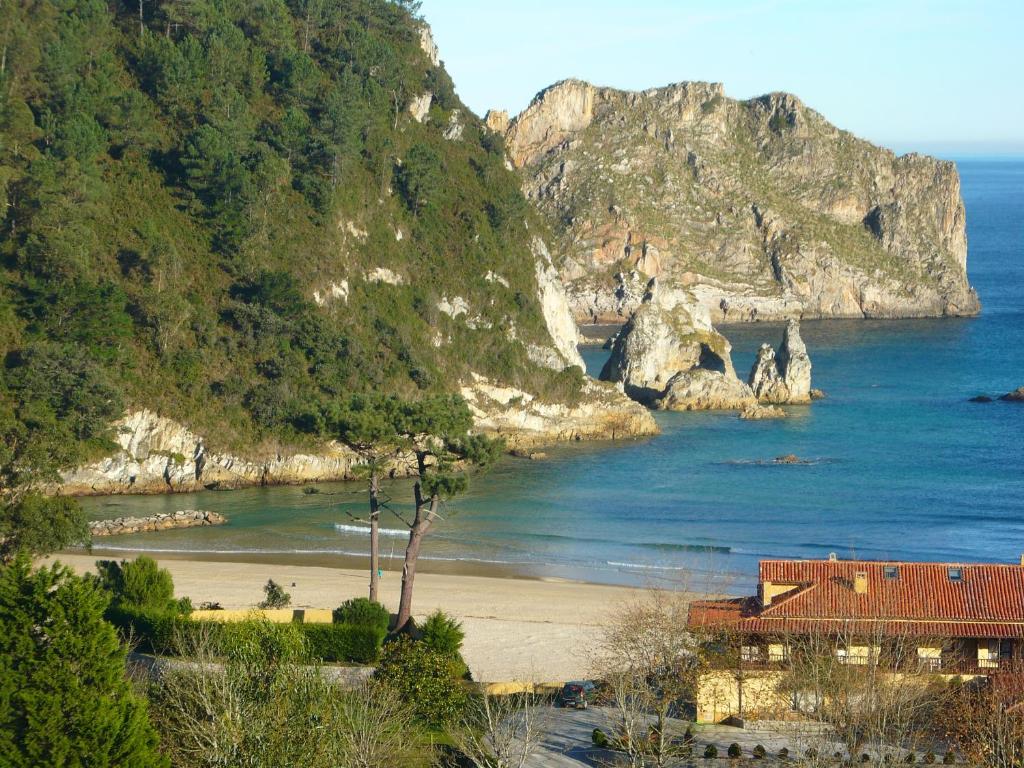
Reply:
x=577, y=694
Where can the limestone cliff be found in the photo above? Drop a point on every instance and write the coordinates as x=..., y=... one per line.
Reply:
x=762, y=208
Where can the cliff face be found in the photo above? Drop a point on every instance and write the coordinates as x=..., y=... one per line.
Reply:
x=762, y=208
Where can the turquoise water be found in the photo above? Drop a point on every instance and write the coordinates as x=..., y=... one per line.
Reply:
x=899, y=464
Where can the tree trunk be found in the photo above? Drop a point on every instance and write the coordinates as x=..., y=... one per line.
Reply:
x=374, y=535
x=420, y=525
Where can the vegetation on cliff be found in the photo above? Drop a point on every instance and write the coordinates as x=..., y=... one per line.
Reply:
x=225, y=211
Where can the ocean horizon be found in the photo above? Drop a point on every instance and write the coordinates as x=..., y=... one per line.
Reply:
x=895, y=463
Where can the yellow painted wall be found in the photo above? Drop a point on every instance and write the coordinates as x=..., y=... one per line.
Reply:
x=276, y=615
x=719, y=695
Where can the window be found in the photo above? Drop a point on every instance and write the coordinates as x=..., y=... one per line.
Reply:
x=890, y=573
x=750, y=653
x=956, y=575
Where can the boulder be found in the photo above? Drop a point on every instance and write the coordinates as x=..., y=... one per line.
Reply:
x=1017, y=396
x=784, y=377
x=668, y=355
x=757, y=412
x=700, y=389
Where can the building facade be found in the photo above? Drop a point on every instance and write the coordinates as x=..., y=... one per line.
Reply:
x=937, y=619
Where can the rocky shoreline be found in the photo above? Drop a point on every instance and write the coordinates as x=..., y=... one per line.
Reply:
x=189, y=518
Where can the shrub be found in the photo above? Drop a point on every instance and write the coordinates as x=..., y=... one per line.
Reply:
x=929, y=757
x=362, y=612
x=760, y=752
x=425, y=680
x=688, y=736
x=838, y=756
x=783, y=753
x=275, y=596
x=443, y=634
x=910, y=758
x=151, y=630
x=600, y=738
x=710, y=751
x=734, y=750
x=141, y=583
x=66, y=700
x=865, y=758
x=343, y=642
x=811, y=753
x=949, y=758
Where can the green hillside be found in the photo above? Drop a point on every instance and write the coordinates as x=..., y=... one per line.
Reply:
x=181, y=181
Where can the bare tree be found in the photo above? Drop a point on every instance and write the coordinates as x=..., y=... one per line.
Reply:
x=376, y=730
x=869, y=687
x=985, y=719
x=651, y=664
x=501, y=731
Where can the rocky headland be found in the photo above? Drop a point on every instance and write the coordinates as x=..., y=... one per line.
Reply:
x=762, y=208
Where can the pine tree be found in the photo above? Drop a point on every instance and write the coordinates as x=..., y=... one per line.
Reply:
x=64, y=696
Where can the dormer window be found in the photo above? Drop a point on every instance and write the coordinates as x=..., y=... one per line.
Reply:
x=956, y=575
x=890, y=572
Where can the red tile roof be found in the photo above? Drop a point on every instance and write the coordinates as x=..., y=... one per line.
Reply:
x=988, y=602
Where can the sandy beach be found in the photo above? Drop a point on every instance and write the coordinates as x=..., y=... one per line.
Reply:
x=516, y=629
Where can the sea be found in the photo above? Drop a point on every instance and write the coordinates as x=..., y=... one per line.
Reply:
x=895, y=463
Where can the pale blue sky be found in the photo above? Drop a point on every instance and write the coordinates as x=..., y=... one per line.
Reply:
x=943, y=76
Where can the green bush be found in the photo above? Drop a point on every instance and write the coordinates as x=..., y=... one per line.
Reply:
x=600, y=738
x=275, y=596
x=784, y=753
x=151, y=630
x=760, y=752
x=949, y=758
x=734, y=750
x=929, y=757
x=65, y=699
x=140, y=583
x=443, y=634
x=910, y=758
x=360, y=611
x=710, y=751
x=865, y=758
x=343, y=642
x=424, y=680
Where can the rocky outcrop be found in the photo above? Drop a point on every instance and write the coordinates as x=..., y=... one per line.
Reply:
x=1017, y=396
x=668, y=355
x=785, y=377
x=189, y=518
x=761, y=208
x=700, y=389
x=758, y=412
x=602, y=412
x=160, y=455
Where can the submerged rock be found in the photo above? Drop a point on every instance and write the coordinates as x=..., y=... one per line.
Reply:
x=980, y=399
x=785, y=377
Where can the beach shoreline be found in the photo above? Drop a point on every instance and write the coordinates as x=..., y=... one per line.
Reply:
x=517, y=629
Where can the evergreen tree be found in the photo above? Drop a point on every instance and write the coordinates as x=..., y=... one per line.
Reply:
x=64, y=696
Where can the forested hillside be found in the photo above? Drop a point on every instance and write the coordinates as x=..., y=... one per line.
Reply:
x=226, y=211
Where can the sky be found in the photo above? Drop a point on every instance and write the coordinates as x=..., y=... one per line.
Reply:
x=943, y=76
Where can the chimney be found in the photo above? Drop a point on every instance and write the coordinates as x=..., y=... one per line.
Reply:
x=860, y=582
x=1022, y=560
x=832, y=557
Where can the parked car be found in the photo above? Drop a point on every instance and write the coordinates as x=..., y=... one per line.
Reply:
x=577, y=694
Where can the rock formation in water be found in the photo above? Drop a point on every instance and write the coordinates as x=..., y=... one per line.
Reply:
x=761, y=207
x=669, y=356
x=1017, y=396
x=784, y=377
x=188, y=518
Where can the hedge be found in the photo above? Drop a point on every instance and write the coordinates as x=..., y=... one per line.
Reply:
x=343, y=642
x=155, y=631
